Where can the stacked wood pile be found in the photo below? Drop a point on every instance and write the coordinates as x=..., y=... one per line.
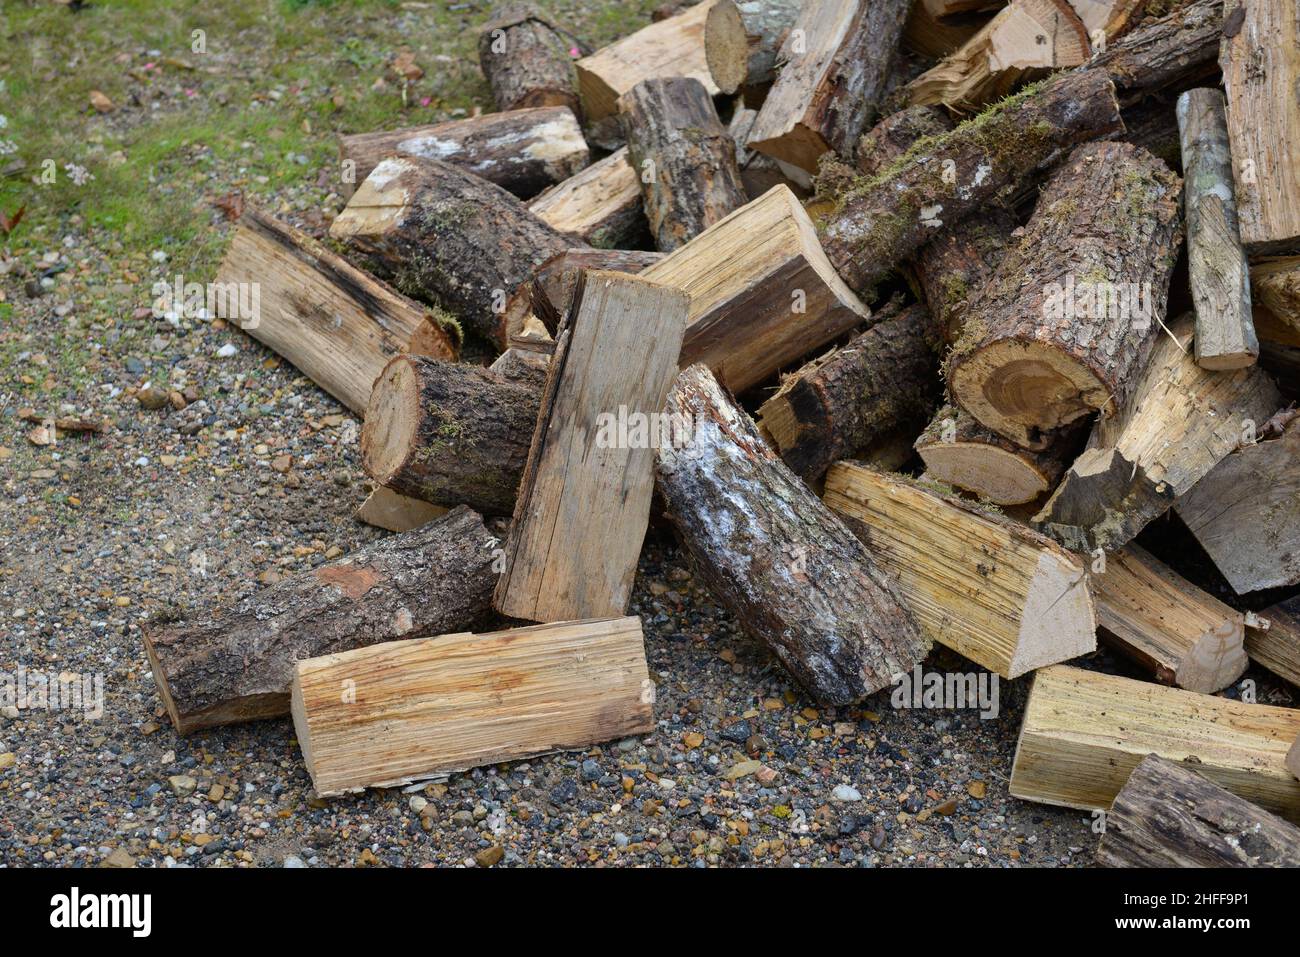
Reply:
x=943, y=393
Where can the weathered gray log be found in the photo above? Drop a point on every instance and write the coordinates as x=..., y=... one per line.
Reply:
x=526, y=62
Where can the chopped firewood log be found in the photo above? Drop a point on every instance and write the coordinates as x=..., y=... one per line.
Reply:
x=987, y=587
x=881, y=220
x=526, y=368
x=1246, y=513
x=1168, y=815
x=234, y=663
x=884, y=380
x=1064, y=324
x=449, y=433
x=835, y=61
x=742, y=38
x=584, y=500
x=522, y=151
x=1173, y=629
x=1176, y=51
x=526, y=62
x=882, y=145
x=672, y=47
x=1085, y=732
x=760, y=173
x=951, y=269
x=1275, y=285
x=1217, y=268
x=447, y=235
x=1180, y=422
x=1293, y=758
x=783, y=563
x=684, y=157
x=1277, y=646
x=338, y=325
x=412, y=710
x=960, y=452
x=1260, y=58
x=396, y=512
x=549, y=294
x=600, y=205
x=926, y=34
x=762, y=292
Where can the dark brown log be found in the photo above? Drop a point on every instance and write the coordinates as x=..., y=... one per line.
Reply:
x=1174, y=52
x=780, y=560
x=550, y=292
x=235, y=662
x=1039, y=352
x=1167, y=815
x=526, y=62
x=449, y=433
x=885, y=379
x=684, y=156
x=446, y=235
x=742, y=38
x=522, y=151
x=884, y=143
x=952, y=268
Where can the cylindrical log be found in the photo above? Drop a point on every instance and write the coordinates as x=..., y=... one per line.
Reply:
x=1172, y=52
x=235, y=663
x=780, y=560
x=684, y=156
x=449, y=433
x=526, y=62
x=894, y=135
x=952, y=268
x=1066, y=323
x=742, y=38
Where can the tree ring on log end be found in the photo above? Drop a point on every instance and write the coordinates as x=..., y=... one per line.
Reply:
x=726, y=47
x=994, y=474
x=392, y=418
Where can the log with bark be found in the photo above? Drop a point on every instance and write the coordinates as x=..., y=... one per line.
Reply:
x=1180, y=422
x=406, y=711
x=981, y=584
x=549, y=293
x=449, y=236
x=584, y=500
x=882, y=145
x=522, y=151
x=684, y=157
x=335, y=323
x=1173, y=52
x=1273, y=639
x=1084, y=733
x=601, y=205
x=234, y=662
x=950, y=271
x=1168, y=815
x=834, y=64
x=785, y=565
x=742, y=39
x=526, y=62
x=883, y=380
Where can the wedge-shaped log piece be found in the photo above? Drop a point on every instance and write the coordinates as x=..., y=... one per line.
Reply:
x=1169, y=815
x=234, y=662
x=600, y=205
x=525, y=61
x=522, y=151
x=1277, y=647
x=783, y=563
x=1085, y=732
x=1275, y=285
x=742, y=39
x=336, y=324
x=987, y=587
x=423, y=708
x=1181, y=634
x=584, y=501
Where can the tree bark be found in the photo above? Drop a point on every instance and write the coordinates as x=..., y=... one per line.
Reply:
x=742, y=38
x=882, y=145
x=550, y=292
x=235, y=662
x=1174, y=52
x=772, y=553
x=526, y=62
x=951, y=270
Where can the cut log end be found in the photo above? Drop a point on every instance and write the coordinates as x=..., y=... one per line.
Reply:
x=726, y=47
x=992, y=473
x=1217, y=659
x=1059, y=621
x=377, y=204
x=392, y=420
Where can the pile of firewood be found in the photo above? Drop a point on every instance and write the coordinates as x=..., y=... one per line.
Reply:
x=882, y=305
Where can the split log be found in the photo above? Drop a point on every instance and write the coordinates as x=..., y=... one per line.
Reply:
x=396, y=512
x=235, y=662
x=936, y=38
x=1260, y=57
x=742, y=39
x=989, y=588
x=1181, y=421
x=446, y=235
x=522, y=151
x=526, y=62
x=1277, y=646
x=1293, y=758
x=951, y=269
x=685, y=158
x=885, y=379
x=601, y=205
x=672, y=47
x=1069, y=317
x=1176, y=631
x=1168, y=815
x=1246, y=513
x=760, y=173
x=881, y=220
x=1085, y=732
x=882, y=145
x=448, y=433
x=335, y=323
x=785, y=565
x=549, y=294
x=835, y=61
x=960, y=452
x=1218, y=272
x=525, y=368
x=1275, y=288
x=421, y=709
x=762, y=292
x=584, y=500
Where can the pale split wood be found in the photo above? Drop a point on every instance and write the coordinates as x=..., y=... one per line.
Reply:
x=387, y=509
x=1275, y=286
x=601, y=204
x=742, y=39
x=1277, y=646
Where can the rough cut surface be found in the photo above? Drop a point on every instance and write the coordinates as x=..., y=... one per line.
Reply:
x=742, y=38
